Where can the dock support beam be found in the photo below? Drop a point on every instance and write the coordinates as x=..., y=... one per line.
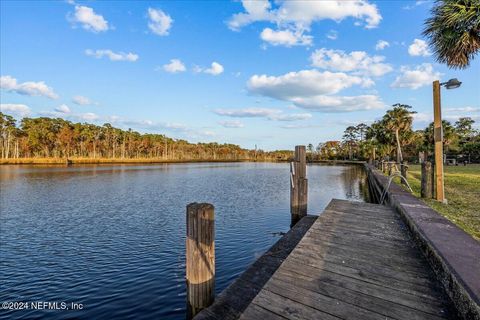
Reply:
x=200, y=257
x=298, y=185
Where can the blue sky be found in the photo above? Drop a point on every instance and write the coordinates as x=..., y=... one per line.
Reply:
x=275, y=74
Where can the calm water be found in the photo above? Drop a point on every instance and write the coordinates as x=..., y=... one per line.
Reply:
x=112, y=237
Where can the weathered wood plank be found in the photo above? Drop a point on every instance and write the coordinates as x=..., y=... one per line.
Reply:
x=357, y=261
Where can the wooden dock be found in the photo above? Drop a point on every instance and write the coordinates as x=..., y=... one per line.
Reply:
x=356, y=261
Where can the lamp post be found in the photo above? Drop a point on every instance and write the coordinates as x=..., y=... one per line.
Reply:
x=438, y=134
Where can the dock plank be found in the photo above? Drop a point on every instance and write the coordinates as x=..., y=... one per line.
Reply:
x=356, y=261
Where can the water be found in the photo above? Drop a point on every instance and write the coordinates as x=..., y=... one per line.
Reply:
x=112, y=237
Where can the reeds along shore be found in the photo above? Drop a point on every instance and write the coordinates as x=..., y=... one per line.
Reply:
x=69, y=161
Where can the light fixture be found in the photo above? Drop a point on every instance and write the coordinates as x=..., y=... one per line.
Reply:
x=452, y=83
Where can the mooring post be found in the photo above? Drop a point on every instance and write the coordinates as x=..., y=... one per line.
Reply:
x=298, y=185
x=404, y=171
x=200, y=257
x=426, y=183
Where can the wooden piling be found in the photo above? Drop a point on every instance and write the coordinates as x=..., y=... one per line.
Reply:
x=404, y=171
x=438, y=138
x=200, y=257
x=426, y=190
x=298, y=185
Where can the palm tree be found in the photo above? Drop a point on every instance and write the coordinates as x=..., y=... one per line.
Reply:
x=453, y=31
x=398, y=119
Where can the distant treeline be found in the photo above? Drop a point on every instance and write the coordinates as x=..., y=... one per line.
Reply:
x=393, y=138
x=58, y=138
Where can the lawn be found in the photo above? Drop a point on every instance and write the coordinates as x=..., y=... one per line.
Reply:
x=462, y=190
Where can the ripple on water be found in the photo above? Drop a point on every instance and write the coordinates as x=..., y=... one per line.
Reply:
x=112, y=237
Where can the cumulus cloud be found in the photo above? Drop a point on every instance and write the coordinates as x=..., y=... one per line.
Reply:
x=358, y=62
x=215, y=69
x=271, y=114
x=417, y=77
x=296, y=17
x=419, y=48
x=19, y=110
x=303, y=83
x=89, y=20
x=159, y=22
x=314, y=90
x=285, y=38
x=81, y=100
x=63, y=108
x=28, y=88
x=339, y=103
x=381, y=44
x=231, y=124
x=113, y=56
x=174, y=66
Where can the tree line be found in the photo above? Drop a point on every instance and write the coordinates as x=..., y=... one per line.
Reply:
x=45, y=137
x=392, y=138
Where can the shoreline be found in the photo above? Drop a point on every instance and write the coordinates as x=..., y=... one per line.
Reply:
x=74, y=161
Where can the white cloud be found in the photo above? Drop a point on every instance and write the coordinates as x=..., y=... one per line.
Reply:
x=416, y=4
x=381, y=44
x=89, y=20
x=419, y=48
x=285, y=38
x=422, y=117
x=420, y=76
x=20, y=110
x=174, y=66
x=292, y=117
x=231, y=124
x=113, y=56
x=63, y=108
x=81, y=100
x=297, y=16
x=462, y=109
x=28, y=88
x=247, y=112
x=339, y=103
x=303, y=83
x=159, y=22
x=313, y=90
x=89, y=116
x=215, y=69
x=271, y=114
x=332, y=35
x=356, y=61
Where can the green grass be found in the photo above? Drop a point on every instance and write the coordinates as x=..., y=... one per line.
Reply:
x=462, y=191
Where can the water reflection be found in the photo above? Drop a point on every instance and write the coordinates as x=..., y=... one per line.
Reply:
x=113, y=236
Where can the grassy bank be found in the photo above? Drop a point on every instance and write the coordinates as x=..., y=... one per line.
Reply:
x=462, y=190
x=101, y=161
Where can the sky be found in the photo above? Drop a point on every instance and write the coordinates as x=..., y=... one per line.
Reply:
x=269, y=73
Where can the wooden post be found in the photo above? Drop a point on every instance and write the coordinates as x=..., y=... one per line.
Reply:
x=426, y=183
x=438, y=137
x=404, y=171
x=200, y=251
x=298, y=185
